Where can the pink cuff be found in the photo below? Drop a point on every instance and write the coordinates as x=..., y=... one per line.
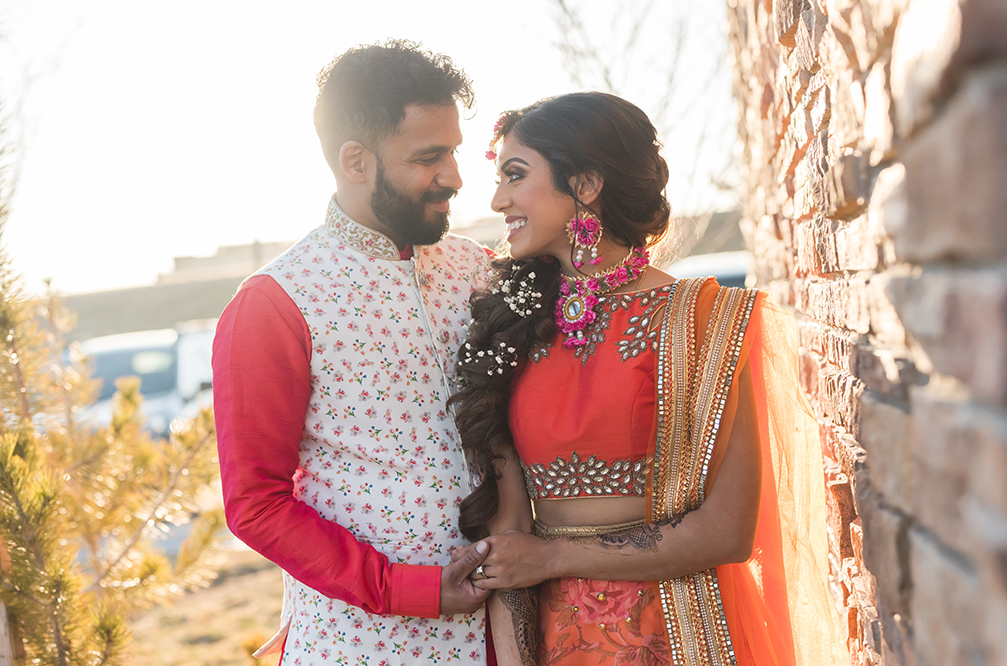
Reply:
x=416, y=590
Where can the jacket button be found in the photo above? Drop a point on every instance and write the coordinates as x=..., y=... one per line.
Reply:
x=443, y=337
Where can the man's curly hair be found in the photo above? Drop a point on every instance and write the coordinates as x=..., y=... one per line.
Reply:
x=363, y=93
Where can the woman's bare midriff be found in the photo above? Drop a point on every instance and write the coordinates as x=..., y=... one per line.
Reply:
x=589, y=511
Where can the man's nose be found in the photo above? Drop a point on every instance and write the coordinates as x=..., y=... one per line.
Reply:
x=449, y=177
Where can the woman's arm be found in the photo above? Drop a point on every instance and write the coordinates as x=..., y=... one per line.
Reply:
x=720, y=531
x=513, y=614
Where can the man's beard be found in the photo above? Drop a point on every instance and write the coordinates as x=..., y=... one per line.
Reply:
x=407, y=217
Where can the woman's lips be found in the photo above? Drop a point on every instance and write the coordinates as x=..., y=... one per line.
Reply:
x=514, y=225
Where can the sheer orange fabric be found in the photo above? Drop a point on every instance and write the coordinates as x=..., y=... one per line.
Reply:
x=778, y=605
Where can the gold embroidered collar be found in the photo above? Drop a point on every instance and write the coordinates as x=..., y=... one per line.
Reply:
x=362, y=239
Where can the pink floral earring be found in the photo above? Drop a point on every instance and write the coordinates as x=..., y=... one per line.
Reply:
x=585, y=233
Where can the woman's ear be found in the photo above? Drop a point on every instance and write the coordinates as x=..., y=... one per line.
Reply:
x=588, y=186
x=354, y=161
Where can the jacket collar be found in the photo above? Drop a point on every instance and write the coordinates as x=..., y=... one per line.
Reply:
x=362, y=239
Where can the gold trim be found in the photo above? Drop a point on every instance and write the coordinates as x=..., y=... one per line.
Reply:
x=689, y=415
x=573, y=531
x=355, y=235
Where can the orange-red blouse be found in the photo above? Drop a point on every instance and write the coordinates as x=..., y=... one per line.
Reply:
x=582, y=419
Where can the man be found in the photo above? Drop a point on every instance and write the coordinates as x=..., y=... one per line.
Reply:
x=332, y=367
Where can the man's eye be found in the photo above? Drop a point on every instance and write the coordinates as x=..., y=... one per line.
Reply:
x=427, y=161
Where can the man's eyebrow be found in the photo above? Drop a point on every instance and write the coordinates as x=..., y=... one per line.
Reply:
x=433, y=150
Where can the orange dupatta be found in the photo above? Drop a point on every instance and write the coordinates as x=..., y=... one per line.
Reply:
x=775, y=608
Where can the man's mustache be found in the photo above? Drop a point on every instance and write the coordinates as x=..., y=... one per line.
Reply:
x=438, y=196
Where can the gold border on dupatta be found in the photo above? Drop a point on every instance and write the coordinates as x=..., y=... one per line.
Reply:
x=689, y=414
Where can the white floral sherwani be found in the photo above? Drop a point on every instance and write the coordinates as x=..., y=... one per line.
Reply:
x=380, y=454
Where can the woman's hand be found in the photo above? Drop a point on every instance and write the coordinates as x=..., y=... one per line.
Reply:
x=516, y=560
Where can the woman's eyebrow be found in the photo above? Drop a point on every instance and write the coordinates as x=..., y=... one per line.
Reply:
x=513, y=159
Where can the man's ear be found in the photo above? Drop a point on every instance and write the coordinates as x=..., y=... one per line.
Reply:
x=587, y=186
x=354, y=161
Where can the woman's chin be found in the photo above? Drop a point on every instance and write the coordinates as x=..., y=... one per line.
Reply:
x=519, y=252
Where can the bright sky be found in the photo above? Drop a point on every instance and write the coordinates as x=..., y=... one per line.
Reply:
x=161, y=129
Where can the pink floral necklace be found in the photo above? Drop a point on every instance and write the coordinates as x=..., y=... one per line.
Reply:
x=579, y=296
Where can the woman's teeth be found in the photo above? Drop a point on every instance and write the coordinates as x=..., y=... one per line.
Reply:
x=515, y=225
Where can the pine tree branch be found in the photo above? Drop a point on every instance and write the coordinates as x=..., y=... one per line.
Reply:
x=57, y=630
x=30, y=537
x=21, y=593
x=138, y=534
x=22, y=389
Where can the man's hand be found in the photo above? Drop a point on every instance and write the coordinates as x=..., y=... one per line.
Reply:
x=458, y=595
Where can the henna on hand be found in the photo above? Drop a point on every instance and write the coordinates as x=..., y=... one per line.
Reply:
x=641, y=537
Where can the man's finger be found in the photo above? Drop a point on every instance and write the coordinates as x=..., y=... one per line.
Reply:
x=473, y=558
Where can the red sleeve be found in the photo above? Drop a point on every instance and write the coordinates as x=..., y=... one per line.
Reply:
x=261, y=388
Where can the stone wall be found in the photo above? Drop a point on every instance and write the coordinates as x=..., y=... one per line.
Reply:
x=873, y=145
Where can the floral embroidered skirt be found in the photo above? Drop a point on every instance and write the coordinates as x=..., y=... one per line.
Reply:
x=584, y=621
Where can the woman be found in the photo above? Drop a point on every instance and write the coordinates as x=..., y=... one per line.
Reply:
x=664, y=444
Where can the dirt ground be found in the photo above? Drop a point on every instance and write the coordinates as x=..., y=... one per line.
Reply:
x=218, y=625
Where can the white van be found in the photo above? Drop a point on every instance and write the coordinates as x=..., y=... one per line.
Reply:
x=173, y=365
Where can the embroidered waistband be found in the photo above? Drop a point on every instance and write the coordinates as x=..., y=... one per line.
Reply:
x=570, y=532
x=580, y=478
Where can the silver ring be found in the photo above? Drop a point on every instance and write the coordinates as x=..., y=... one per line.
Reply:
x=481, y=572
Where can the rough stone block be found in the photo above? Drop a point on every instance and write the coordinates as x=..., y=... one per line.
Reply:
x=984, y=24
x=793, y=145
x=896, y=645
x=948, y=621
x=804, y=242
x=889, y=374
x=846, y=187
x=821, y=109
x=886, y=549
x=943, y=450
x=839, y=397
x=887, y=436
x=988, y=466
x=955, y=175
x=879, y=130
x=936, y=43
x=988, y=544
x=786, y=15
x=836, y=51
x=823, y=235
x=797, y=85
x=839, y=349
x=959, y=318
x=805, y=201
x=887, y=210
x=926, y=39
x=809, y=368
x=856, y=245
x=809, y=336
x=808, y=34
x=840, y=512
x=847, y=115
x=996, y=620
x=886, y=327
x=883, y=15
x=841, y=303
